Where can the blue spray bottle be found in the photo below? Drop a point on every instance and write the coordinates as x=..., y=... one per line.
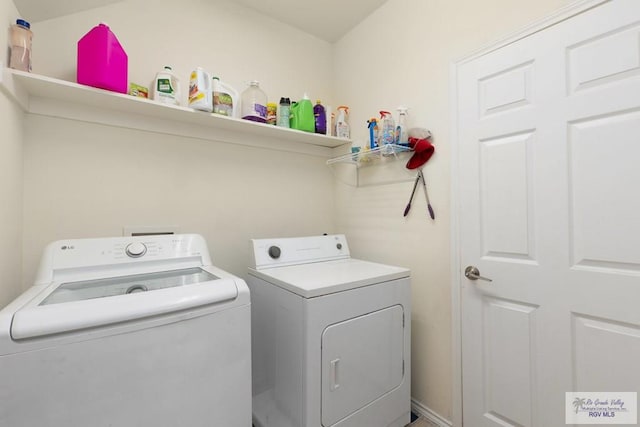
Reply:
x=373, y=130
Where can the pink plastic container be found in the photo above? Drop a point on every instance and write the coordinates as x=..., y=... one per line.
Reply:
x=102, y=62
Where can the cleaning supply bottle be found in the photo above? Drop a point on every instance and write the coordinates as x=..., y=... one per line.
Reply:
x=21, y=37
x=284, y=113
x=372, y=124
x=225, y=98
x=402, y=138
x=328, y=113
x=272, y=113
x=388, y=135
x=332, y=131
x=320, y=117
x=342, y=126
x=254, y=103
x=302, y=115
x=166, y=88
x=102, y=62
x=200, y=90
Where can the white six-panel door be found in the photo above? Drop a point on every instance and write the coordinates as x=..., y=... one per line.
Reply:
x=549, y=208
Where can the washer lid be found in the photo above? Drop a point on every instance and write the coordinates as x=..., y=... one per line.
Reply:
x=112, y=286
x=62, y=308
x=323, y=278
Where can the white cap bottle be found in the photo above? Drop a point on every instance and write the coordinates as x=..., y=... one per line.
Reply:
x=402, y=138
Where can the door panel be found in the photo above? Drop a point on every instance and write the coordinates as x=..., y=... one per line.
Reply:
x=547, y=169
x=593, y=369
x=598, y=207
x=505, y=191
x=506, y=90
x=509, y=360
x=616, y=54
x=362, y=360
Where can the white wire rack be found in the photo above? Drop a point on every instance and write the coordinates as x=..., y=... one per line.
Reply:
x=387, y=160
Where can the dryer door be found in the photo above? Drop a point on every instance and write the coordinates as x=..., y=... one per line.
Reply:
x=362, y=360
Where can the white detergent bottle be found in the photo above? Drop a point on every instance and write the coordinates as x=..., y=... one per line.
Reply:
x=402, y=137
x=200, y=96
x=225, y=99
x=166, y=87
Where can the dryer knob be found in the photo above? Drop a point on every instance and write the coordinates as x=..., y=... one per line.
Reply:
x=274, y=252
x=136, y=250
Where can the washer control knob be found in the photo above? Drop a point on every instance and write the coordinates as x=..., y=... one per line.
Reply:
x=136, y=250
x=274, y=252
x=339, y=246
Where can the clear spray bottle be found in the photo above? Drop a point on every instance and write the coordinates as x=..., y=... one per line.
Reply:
x=388, y=128
x=342, y=126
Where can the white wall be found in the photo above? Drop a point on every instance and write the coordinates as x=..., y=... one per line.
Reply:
x=235, y=43
x=401, y=55
x=87, y=180
x=11, y=124
x=76, y=173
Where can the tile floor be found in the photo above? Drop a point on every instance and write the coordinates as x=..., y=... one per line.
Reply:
x=421, y=422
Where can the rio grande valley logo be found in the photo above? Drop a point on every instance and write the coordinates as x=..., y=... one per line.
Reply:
x=601, y=408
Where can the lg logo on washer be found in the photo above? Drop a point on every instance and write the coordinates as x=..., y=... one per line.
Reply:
x=67, y=247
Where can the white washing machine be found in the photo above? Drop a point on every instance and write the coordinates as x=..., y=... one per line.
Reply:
x=331, y=336
x=127, y=332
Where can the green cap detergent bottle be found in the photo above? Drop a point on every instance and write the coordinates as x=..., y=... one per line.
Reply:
x=302, y=117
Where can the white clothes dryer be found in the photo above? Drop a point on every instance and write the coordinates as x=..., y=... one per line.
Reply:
x=127, y=332
x=331, y=336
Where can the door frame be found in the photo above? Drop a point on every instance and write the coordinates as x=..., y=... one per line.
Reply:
x=562, y=14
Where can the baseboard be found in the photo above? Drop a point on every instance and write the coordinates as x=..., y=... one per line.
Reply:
x=430, y=415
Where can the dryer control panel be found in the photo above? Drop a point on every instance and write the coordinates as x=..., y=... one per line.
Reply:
x=268, y=253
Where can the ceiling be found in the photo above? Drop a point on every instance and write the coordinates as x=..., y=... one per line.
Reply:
x=326, y=19
x=41, y=10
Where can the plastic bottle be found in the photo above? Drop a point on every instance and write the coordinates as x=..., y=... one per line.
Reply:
x=402, y=138
x=21, y=37
x=333, y=124
x=272, y=113
x=102, y=62
x=254, y=103
x=225, y=99
x=302, y=115
x=372, y=124
x=328, y=114
x=166, y=87
x=388, y=135
x=200, y=90
x=342, y=126
x=284, y=113
x=320, y=117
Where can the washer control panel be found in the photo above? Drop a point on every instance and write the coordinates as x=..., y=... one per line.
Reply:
x=298, y=250
x=96, y=253
x=136, y=249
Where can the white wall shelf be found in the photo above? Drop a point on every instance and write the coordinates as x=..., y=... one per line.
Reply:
x=47, y=96
x=358, y=169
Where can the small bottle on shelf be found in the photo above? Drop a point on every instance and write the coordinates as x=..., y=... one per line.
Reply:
x=21, y=37
x=320, y=118
x=284, y=113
